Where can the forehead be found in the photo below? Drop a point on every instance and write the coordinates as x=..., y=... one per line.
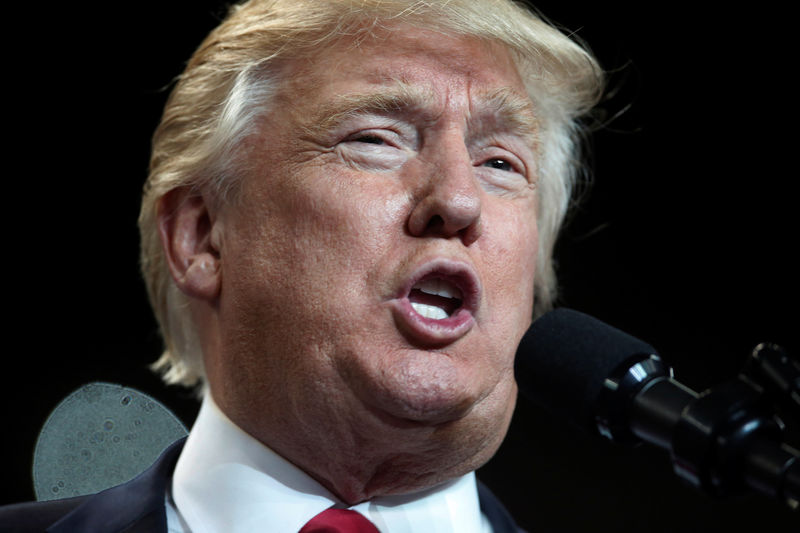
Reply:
x=412, y=64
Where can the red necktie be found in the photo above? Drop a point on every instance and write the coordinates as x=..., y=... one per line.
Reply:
x=339, y=521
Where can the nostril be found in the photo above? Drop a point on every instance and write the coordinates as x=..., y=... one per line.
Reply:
x=435, y=224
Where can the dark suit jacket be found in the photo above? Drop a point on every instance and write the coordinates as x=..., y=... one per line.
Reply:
x=138, y=506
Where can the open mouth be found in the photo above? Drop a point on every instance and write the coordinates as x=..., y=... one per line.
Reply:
x=435, y=298
x=439, y=303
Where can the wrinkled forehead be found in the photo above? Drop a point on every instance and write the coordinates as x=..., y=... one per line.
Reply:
x=411, y=69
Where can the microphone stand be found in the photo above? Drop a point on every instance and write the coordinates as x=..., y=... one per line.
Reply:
x=723, y=440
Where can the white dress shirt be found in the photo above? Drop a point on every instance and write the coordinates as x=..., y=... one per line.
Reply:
x=227, y=481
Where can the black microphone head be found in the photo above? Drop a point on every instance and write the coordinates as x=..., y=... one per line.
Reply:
x=565, y=358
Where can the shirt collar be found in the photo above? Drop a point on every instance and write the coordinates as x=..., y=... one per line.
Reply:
x=226, y=480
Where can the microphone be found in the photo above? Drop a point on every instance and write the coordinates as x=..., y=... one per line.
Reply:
x=603, y=380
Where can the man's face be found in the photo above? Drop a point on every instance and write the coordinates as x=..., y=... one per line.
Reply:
x=383, y=175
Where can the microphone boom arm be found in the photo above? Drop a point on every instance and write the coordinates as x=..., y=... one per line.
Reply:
x=723, y=440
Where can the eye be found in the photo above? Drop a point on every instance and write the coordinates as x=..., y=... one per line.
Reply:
x=373, y=149
x=499, y=164
x=500, y=169
x=368, y=139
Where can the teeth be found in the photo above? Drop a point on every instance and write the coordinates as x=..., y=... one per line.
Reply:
x=439, y=287
x=429, y=311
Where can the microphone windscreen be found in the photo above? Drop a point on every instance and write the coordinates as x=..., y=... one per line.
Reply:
x=564, y=358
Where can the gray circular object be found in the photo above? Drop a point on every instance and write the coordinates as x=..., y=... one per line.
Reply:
x=99, y=436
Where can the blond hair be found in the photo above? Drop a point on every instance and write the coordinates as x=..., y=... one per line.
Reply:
x=230, y=78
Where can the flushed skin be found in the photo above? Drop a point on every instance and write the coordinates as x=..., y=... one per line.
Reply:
x=300, y=286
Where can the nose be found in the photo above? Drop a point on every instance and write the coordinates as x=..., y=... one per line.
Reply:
x=449, y=204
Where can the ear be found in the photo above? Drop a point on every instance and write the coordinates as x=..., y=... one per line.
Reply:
x=191, y=243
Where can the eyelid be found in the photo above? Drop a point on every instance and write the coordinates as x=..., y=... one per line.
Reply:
x=393, y=132
x=387, y=136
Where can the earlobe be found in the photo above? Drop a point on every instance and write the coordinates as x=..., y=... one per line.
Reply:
x=191, y=243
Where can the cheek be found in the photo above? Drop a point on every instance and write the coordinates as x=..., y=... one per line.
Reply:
x=512, y=249
x=330, y=233
x=354, y=225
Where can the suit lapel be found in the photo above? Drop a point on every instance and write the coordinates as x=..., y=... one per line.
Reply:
x=494, y=511
x=135, y=506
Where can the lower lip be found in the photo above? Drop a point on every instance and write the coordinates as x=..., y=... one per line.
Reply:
x=429, y=331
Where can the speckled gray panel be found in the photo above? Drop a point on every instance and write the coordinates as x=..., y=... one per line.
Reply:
x=99, y=436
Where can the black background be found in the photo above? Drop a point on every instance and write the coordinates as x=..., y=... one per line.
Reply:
x=686, y=237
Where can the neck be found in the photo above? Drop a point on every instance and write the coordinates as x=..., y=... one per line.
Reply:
x=374, y=457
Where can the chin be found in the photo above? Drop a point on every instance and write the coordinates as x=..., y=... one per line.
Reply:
x=431, y=408
x=426, y=388
x=439, y=396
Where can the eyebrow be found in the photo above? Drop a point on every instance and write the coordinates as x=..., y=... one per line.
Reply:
x=399, y=98
x=514, y=113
